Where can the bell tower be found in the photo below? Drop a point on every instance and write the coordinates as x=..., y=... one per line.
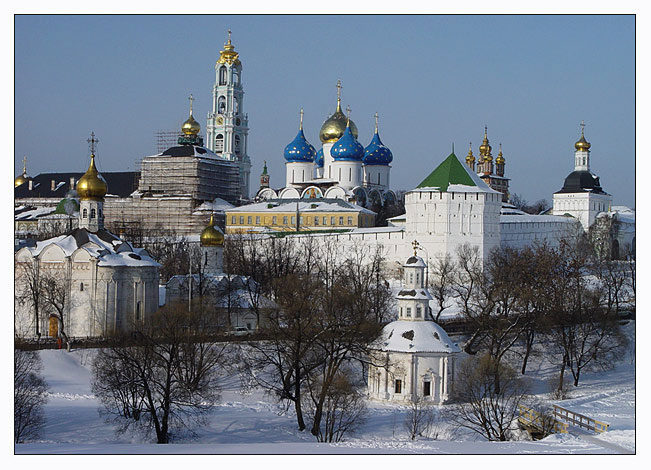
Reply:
x=91, y=188
x=227, y=129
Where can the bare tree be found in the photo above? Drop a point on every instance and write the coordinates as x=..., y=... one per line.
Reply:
x=29, y=291
x=57, y=300
x=441, y=277
x=477, y=403
x=30, y=395
x=420, y=418
x=161, y=377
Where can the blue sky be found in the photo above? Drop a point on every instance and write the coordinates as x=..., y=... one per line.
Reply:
x=434, y=80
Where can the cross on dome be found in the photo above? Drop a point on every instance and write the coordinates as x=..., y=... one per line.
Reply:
x=92, y=141
x=191, y=99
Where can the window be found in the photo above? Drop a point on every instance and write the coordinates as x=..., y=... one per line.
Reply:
x=408, y=312
x=241, y=220
x=284, y=220
x=417, y=276
x=138, y=310
x=257, y=220
x=325, y=220
x=237, y=144
x=411, y=278
x=293, y=220
x=427, y=388
x=401, y=311
x=85, y=213
x=418, y=312
x=350, y=221
x=350, y=174
x=236, y=106
x=221, y=105
x=341, y=221
x=300, y=220
x=274, y=220
x=316, y=220
x=236, y=79
x=92, y=213
x=332, y=220
x=398, y=386
x=219, y=143
x=81, y=286
x=222, y=75
x=234, y=220
x=249, y=219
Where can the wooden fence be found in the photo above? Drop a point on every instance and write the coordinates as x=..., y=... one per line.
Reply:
x=533, y=419
x=580, y=420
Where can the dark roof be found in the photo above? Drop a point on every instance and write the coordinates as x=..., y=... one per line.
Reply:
x=120, y=183
x=184, y=151
x=581, y=181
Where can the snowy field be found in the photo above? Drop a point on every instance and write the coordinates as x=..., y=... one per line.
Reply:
x=254, y=424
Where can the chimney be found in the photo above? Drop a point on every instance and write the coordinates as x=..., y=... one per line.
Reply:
x=31, y=184
x=53, y=185
x=72, y=183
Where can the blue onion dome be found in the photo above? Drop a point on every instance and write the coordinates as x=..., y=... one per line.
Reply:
x=377, y=153
x=347, y=147
x=299, y=149
x=319, y=158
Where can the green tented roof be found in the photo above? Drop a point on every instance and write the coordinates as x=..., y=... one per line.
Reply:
x=450, y=171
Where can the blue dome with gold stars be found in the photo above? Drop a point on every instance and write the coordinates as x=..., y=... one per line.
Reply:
x=347, y=148
x=299, y=149
x=319, y=158
x=377, y=153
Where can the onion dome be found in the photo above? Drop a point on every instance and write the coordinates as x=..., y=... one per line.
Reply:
x=91, y=186
x=376, y=153
x=319, y=158
x=22, y=178
x=228, y=55
x=500, y=158
x=211, y=235
x=299, y=149
x=582, y=144
x=470, y=158
x=333, y=127
x=191, y=127
x=347, y=147
x=485, y=148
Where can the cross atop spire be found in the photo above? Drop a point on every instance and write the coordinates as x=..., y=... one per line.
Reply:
x=416, y=246
x=92, y=141
x=582, y=126
x=485, y=132
x=376, y=116
x=229, y=35
x=25, y=165
x=191, y=99
x=301, y=126
x=339, y=87
x=348, y=114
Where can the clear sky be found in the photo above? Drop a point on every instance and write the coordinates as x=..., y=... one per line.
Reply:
x=434, y=80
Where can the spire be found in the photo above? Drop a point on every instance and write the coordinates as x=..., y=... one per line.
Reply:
x=191, y=99
x=228, y=43
x=376, y=131
x=24, y=165
x=301, y=125
x=339, y=87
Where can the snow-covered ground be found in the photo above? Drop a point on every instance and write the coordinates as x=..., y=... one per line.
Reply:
x=254, y=424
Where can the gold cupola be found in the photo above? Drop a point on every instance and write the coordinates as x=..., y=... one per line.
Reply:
x=333, y=127
x=91, y=186
x=470, y=158
x=500, y=158
x=228, y=55
x=485, y=148
x=582, y=144
x=22, y=178
x=191, y=127
x=212, y=236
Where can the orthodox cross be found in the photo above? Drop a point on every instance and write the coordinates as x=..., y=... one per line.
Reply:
x=25, y=165
x=339, y=87
x=301, y=120
x=92, y=141
x=582, y=126
x=229, y=35
x=416, y=246
x=376, y=122
x=191, y=99
x=348, y=113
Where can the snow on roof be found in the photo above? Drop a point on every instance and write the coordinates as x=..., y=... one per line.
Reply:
x=510, y=218
x=218, y=205
x=414, y=294
x=415, y=262
x=415, y=337
x=377, y=230
x=304, y=205
x=33, y=213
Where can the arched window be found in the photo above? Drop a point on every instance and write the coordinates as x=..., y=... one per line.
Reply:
x=219, y=143
x=237, y=144
x=92, y=213
x=221, y=105
x=81, y=286
x=222, y=75
x=236, y=77
x=236, y=106
x=85, y=213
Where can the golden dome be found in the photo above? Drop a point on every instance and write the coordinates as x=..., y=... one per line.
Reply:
x=470, y=157
x=500, y=158
x=582, y=144
x=20, y=179
x=191, y=127
x=228, y=55
x=212, y=236
x=91, y=186
x=333, y=127
x=485, y=148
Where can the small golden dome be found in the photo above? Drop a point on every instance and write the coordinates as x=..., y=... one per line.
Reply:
x=470, y=158
x=91, y=186
x=191, y=127
x=485, y=148
x=582, y=144
x=333, y=127
x=20, y=179
x=500, y=158
x=228, y=55
x=211, y=235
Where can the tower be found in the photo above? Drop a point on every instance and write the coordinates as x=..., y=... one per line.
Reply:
x=470, y=159
x=485, y=166
x=499, y=163
x=22, y=178
x=299, y=155
x=264, y=177
x=413, y=299
x=581, y=195
x=228, y=126
x=377, y=160
x=212, y=248
x=91, y=189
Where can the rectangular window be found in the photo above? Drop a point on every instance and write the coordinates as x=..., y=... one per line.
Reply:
x=426, y=388
x=398, y=387
x=418, y=312
x=241, y=220
x=300, y=220
x=293, y=220
x=341, y=221
x=284, y=220
x=409, y=312
x=274, y=220
x=249, y=219
x=325, y=220
x=316, y=220
x=257, y=220
x=332, y=220
x=350, y=221
x=234, y=220
x=411, y=278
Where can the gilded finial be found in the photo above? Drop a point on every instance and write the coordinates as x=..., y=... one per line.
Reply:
x=376, y=116
x=339, y=87
x=25, y=165
x=229, y=36
x=582, y=127
x=191, y=99
x=347, y=116
x=301, y=125
x=485, y=132
x=92, y=141
x=416, y=246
